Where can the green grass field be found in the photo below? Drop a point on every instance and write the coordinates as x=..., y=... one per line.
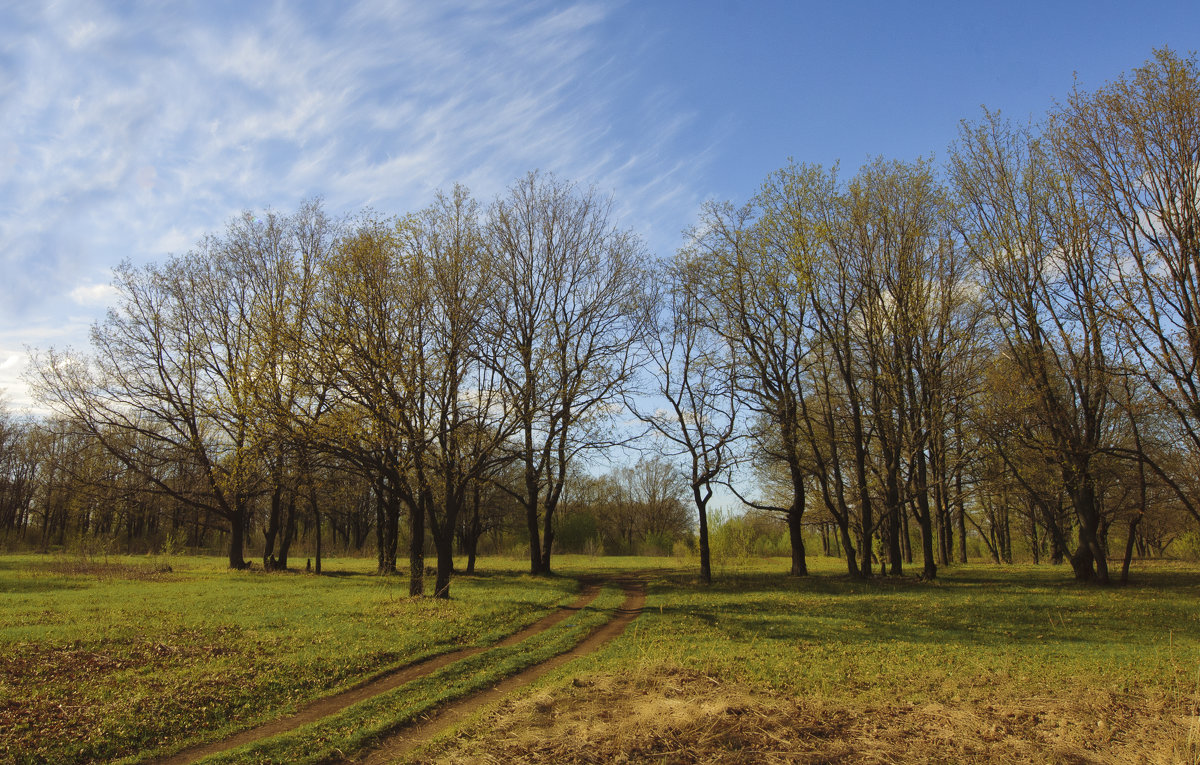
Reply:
x=1018, y=663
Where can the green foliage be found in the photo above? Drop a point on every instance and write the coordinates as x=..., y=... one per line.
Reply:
x=575, y=531
x=736, y=539
x=1187, y=547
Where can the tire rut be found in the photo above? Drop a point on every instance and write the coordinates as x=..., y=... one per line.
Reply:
x=403, y=742
x=380, y=684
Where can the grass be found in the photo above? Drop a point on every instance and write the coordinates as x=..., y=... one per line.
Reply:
x=1014, y=664
x=364, y=723
x=987, y=664
x=121, y=660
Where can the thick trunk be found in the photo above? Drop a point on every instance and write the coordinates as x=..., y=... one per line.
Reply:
x=237, y=530
x=848, y=544
x=317, y=516
x=380, y=531
x=1082, y=563
x=892, y=508
x=272, y=530
x=795, y=529
x=416, y=547
x=1093, y=565
x=866, y=522
x=289, y=533
x=795, y=521
x=924, y=519
x=960, y=516
x=547, y=541
x=705, y=555
x=535, y=548
x=445, y=565
x=905, y=533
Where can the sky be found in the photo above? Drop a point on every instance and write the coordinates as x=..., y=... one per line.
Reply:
x=128, y=130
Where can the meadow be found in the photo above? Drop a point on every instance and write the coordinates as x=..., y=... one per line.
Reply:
x=123, y=660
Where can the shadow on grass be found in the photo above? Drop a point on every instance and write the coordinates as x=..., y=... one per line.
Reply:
x=1019, y=608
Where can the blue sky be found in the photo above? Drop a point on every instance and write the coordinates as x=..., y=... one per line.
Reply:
x=127, y=130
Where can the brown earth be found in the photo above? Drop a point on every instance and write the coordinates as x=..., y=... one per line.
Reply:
x=676, y=717
x=375, y=686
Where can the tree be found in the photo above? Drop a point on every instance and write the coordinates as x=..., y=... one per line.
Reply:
x=691, y=369
x=566, y=315
x=460, y=413
x=177, y=370
x=916, y=320
x=759, y=259
x=1041, y=246
x=367, y=328
x=1134, y=146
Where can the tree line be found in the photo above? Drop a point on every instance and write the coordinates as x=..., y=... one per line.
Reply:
x=913, y=356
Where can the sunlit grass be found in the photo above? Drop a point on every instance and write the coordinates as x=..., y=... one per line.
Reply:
x=122, y=661
x=976, y=632
x=96, y=666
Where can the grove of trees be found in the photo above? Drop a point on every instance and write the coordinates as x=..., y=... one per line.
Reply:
x=996, y=354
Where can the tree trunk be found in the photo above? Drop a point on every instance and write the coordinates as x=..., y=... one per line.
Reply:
x=892, y=508
x=535, y=549
x=445, y=564
x=380, y=530
x=289, y=533
x=705, y=555
x=1133, y=524
x=472, y=540
x=960, y=516
x=547, y=540
x=795, y=533
x=317, y=516
x=272, y=530
x=416, y=546
x=795, y=520
x=237, y=530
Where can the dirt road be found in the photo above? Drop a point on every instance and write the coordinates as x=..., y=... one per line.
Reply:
x=413, y=735
x=405, y=741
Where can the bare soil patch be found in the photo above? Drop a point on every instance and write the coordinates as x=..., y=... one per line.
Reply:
x=677, y=716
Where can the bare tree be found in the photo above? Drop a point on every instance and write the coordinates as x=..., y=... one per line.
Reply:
x=177, y=372
x=1041, y=247
x=461, y=412
x=566, y=316
x=1134, y=145
x=759, y=261
x=691, y=369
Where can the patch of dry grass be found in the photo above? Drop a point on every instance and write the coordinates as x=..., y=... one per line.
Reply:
x=680, y=716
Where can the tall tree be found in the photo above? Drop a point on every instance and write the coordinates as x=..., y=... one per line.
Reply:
x=461, y=411
x=177, y=366
x=759, y=260
x=691, y=369
x=566, y=317
x=1041, y=246
x=1134, y=146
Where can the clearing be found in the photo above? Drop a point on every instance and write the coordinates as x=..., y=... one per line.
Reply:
x=118, y=662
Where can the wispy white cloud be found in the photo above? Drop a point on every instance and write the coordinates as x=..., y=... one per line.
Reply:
x=93, y=294
x=128, y=133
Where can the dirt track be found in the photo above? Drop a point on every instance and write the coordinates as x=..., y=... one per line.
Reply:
x=405, y=741
x=412, y=736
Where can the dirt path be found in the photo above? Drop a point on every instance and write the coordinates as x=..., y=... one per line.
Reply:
x=375, y=686
x=407, y=740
